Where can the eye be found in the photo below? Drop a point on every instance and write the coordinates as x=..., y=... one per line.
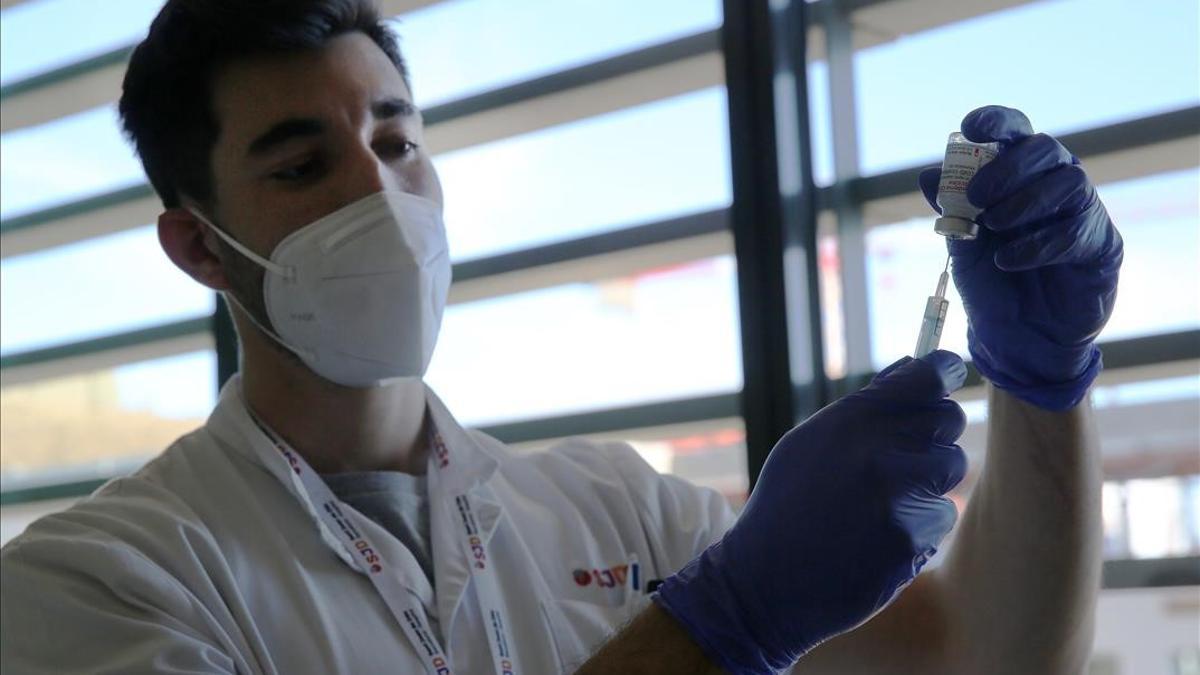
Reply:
x=297, y=172
x=396, y=149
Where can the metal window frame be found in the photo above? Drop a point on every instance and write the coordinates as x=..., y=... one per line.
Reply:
x=774, y=219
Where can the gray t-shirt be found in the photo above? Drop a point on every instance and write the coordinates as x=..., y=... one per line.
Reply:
x=399, y=502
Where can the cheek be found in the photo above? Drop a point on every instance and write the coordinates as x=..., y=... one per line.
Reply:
x=423, y=180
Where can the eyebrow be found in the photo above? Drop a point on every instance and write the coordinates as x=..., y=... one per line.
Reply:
x=283, y=132
x=303, y=127
x=388, y=108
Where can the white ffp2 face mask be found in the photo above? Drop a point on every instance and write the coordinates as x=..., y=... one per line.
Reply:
x=358, y=295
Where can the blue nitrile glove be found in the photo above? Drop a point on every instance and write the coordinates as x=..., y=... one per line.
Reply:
x=847, y=509
x=1039, y=282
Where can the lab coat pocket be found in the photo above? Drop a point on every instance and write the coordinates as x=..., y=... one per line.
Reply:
x=580, y=627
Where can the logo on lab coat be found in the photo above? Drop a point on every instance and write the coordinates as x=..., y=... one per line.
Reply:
x=604, y=578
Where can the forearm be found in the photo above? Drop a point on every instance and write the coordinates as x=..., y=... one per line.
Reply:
x=653, y=643
x=1022, y=577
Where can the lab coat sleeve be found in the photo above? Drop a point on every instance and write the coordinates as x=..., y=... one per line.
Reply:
x=78, y=600
x=688, y=518
x=681, y=518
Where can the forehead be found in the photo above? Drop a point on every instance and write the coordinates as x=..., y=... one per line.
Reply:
x=336, y=82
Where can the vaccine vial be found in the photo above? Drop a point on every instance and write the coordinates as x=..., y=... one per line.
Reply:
x=963, y=159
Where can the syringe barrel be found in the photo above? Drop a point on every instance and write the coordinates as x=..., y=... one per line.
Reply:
x=931, y=325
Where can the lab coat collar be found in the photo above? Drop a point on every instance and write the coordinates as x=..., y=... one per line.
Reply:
x=461, y=466
x=452, y=574
x=468, y=468
x=462, y=463
x=468, y=463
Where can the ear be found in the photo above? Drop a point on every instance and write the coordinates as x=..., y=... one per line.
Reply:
x=192, y=246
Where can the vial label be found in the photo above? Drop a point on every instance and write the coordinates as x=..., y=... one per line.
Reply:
x=962, y=161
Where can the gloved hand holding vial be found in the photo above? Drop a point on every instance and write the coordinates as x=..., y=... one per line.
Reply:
x=1034, y=255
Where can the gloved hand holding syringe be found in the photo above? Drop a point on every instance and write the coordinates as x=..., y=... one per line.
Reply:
x=963, y=159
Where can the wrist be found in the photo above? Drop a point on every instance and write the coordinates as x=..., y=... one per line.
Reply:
x=709, y=609
x=1053, y=395
x=654, y=643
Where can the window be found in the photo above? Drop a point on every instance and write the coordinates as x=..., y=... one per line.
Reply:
x=1152, y=517
x=65, y=160
x=93, y=288
x=463, y=47
x=1160, y=283
x=1059, y=61
x=588, y=346
x=599, y=173
x=1148, y=439
x=101, y=423
x=41, y=35
x=820, y=124
x=663, y=156
x=711, y=454
x=615, y=170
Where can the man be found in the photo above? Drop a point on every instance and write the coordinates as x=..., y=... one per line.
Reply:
x=331, y=516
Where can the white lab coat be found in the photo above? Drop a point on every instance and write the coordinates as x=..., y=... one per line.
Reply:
x=202, y=562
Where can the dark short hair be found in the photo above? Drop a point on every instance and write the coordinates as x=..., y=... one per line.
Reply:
x=166, y=102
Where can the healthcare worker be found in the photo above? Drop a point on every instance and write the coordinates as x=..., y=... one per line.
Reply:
x=331, y=516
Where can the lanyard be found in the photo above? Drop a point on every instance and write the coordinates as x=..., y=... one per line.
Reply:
x=356, y=549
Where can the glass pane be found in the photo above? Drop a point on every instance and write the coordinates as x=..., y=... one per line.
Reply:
x=71, y=158
x=820, y=123
x=1152, y=518
x=1068, y=64
x=1158, y=217
x=662, y=334
x=1149, y=432
x=1162, y=517
x=714, y=459
x=1147, y=631
x=625, y=168
x=710, y=454
x=639, y=165
x=103, y=422
x=463, y=47
x=40, y=35
x=92, y=288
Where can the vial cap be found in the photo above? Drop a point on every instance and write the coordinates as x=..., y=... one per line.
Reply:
x=955, y=228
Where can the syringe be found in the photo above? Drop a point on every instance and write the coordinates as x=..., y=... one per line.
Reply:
x=934, y=317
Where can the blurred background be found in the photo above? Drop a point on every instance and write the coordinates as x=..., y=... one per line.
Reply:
x=605, y=275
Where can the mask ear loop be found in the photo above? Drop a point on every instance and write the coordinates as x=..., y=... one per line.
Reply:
x=285, y=271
